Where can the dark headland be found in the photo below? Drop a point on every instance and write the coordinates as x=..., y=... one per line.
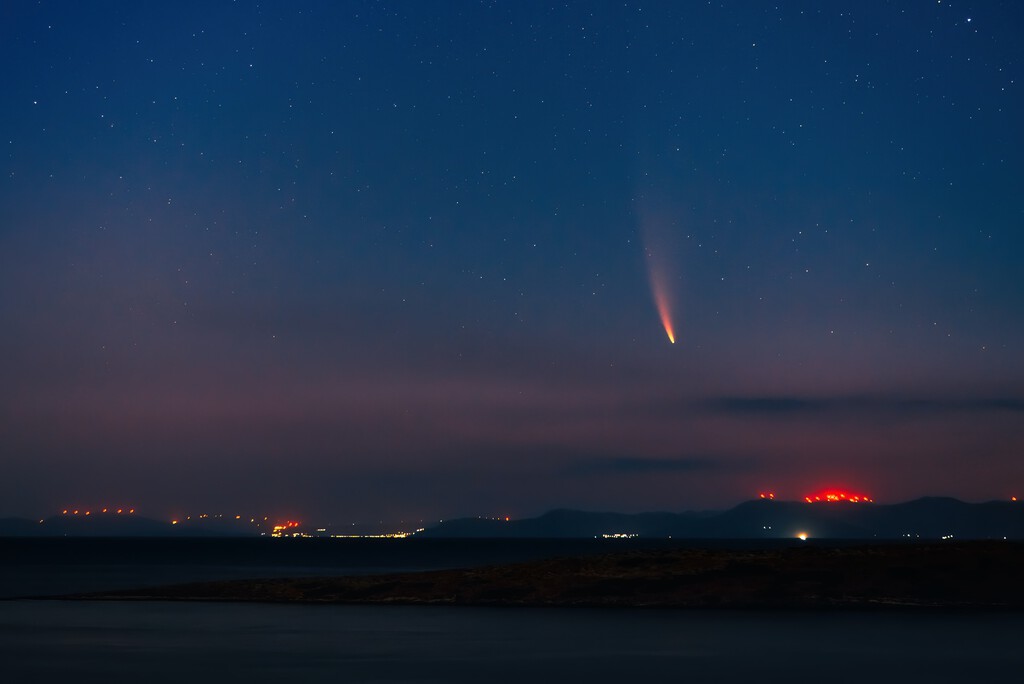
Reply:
x=949, y=575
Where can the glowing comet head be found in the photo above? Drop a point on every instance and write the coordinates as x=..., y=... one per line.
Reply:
x=662, y=301
x=664, y=314
x=658, y=236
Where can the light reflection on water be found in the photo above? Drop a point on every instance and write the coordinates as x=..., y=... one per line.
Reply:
x=53, y=641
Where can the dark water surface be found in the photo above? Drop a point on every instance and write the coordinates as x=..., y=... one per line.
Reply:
x=50, y=567
x=44, y=641
x=57, y=641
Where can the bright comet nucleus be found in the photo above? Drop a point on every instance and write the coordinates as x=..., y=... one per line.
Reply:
x=662, y=300
x=659, y=235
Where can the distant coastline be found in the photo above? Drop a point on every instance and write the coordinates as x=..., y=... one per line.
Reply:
x=929, y=518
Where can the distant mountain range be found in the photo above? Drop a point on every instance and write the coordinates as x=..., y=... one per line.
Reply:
x=928, y=518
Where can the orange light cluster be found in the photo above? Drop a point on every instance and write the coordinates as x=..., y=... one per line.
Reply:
x=281, y=530
x=75, y=511
x=834, y=495
x=767, y=495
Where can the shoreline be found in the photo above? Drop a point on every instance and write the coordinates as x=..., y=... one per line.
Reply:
x=956, y=576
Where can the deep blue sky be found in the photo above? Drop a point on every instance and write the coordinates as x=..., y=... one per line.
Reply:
x=378, y=260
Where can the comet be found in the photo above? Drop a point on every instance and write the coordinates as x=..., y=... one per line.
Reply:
x=658, y=234
x=662, y=300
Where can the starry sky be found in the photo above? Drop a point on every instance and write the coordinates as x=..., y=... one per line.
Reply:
x=365, y=260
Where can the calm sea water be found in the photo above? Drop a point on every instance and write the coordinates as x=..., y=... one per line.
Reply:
x=56, y=641
x=55, y=566
x=74, y=641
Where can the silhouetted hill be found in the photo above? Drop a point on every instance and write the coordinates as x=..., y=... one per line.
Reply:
x=927, y=518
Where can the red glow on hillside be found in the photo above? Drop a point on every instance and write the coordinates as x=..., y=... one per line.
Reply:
x=835, y=495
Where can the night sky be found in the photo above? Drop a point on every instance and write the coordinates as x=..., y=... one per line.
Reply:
x=363, y=260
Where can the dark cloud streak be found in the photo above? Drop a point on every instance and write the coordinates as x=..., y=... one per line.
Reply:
x=640, y=465
x=894, y=407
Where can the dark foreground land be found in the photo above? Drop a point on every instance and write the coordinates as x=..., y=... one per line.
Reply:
x=978, y=575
